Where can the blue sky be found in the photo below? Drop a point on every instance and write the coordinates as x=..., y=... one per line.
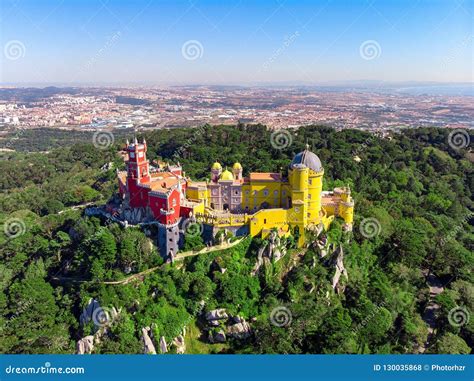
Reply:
x=230, y=42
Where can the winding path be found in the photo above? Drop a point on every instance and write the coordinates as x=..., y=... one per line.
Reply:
x=141, y=275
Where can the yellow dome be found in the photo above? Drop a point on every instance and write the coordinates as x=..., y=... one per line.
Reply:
x=237, y=166
x=216, y=165
x=227, y=175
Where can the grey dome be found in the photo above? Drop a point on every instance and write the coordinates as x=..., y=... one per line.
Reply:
x=308, y=159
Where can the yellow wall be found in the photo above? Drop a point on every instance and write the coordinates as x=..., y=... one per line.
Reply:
x=256, y=193
x=197, y=193
x=304, y=189
x=267, y=219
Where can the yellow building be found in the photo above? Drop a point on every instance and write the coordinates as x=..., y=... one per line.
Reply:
x=263, y=201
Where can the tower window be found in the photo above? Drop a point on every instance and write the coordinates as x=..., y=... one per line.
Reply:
x=265, y=192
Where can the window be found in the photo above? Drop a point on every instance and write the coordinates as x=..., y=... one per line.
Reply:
x=265, y=192
x=236, y=192
x=255, y=192
x=275, y=193
x=247, y=192
x=264, y=220
x=310, y=182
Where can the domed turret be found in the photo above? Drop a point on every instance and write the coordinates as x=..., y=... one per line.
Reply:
x=237, y=171
x=216, y=171
x=216, y=165
x=227, y=175
x=308, y=159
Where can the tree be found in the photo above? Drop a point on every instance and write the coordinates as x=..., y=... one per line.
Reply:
x=452, y=344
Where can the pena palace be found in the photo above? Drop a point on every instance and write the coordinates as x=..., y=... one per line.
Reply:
x=244, y=205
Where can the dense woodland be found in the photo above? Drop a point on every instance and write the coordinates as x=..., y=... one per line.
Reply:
x=414, y=184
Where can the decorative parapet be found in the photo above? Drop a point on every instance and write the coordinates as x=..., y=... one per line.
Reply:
x=168, y=225
x=167, y=212
x=222, y=219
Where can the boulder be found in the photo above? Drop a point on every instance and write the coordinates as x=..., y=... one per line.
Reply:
x=178, y=342
x=259, y=262
x=98, y=315
x=85, y=345
x=340, y=270
x=217, y=314
x=239, y=330
x=217, y=337
x=163, y=345
x=148, y=346
x=88, y=311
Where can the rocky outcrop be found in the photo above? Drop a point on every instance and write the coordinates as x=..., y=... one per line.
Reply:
x=221, y=326
x=102, y=318
x=272, y=249
x=178, y=342
x=321, y=245
x=340, y=270
x=99, y=316
x=88, y=311
x=240, y=329
x=217, y=337
x=276, y=250
x=217, y=314
x=148, y=346
x=259, y=262
x=134, y=215
x=163, y=345
x=85, y=346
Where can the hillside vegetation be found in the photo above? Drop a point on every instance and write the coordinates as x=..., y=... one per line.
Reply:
x=415, y=187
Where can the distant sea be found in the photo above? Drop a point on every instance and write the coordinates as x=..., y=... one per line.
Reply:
x=438, y=90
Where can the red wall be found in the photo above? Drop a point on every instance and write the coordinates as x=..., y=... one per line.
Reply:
x=157, y=203
x=138, y=195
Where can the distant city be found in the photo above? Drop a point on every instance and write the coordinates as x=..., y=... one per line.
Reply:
x=91, y=108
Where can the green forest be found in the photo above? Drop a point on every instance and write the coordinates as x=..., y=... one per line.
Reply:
x=55, y=259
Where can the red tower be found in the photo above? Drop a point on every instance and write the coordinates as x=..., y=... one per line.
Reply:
x=138, y=167
x=138, y=174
